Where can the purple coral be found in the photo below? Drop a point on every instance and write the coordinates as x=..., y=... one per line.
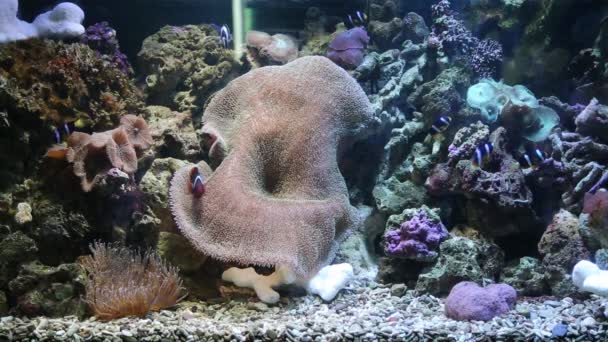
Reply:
x=482, y=56
x=348, y=48
x=417, y=238
x=468, y=301
x=102, y=38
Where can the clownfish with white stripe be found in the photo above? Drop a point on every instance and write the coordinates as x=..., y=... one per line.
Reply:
x=358, y=20
x=197, y=183
x=440, y=125
x=533, y=160
x=482, y=153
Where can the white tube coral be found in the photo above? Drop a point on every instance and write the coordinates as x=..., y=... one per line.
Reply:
x=327, y=283
x=588, y=277
x=261, y=284
x=64, y=21
x=11, y=28
x=330, y=280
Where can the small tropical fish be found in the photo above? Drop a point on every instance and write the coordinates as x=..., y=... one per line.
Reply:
x=225, y=35
x=533, y=160
x=359, y=19
x=66, y=130
x=482, y=152
x=197, y=185
x=440, y=125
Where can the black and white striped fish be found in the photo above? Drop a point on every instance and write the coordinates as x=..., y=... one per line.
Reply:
x=482, y=153
x=440, y=125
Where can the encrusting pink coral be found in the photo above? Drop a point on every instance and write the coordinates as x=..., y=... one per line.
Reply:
x=278, y=197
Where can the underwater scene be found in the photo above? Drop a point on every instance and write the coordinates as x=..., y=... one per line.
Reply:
x=304, y=170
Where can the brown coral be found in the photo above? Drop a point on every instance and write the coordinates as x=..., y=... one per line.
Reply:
x=122, y=282
x=278, y=197
x=92, y=156
x=60, y=83
x=137, y=130
x=264, y=49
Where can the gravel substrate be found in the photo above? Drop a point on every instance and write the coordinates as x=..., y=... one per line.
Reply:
x=361, y=313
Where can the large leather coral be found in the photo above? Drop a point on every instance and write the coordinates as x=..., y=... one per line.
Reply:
x=277, y=198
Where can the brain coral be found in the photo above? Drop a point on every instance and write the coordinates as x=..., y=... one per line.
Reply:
x=278, y=197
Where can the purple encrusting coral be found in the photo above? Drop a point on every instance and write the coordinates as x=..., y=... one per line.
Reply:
x=417, y=238
x=348, y=48
x=102, y=38
x=482, y=56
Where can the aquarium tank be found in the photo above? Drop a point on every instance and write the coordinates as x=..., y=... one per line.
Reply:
x=304, y=170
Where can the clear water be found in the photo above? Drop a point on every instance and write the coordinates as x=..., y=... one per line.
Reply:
x=423, y=143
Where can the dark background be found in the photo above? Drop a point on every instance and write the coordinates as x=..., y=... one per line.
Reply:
x=134, y=20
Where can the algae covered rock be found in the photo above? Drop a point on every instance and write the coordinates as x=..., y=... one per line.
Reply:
x=60, y=82
x=173, y=133
x=561, y=247
x=61, y=231
x=49, y=291
x=183, y=66
x=15, y=249
x=155, y=185
x=460, y=259
x=526, y=275
x=179, y=252
x=392, y=196
x=601, y=258
x=3, y=304
x=443, y=95
x=46, y=84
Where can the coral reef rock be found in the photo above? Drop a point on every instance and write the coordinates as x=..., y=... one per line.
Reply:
x=254, y=210
x=179, y=252
x=183, y=66
x=49, y=291
x=499, y=188
x=442, y=95
x=155, y=185
x=392, y=196
x=561, y=247
x=15, y=250
x=173, y=134
x=526, y=275
x=45, y=85
x=468, y=301
x=61, y=232
x=460, y=259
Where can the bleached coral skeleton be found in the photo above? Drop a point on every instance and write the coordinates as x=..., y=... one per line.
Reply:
x=63, y=21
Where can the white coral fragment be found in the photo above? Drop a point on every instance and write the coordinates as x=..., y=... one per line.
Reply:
x=588, y=277
x=261, y=284
x=330, y=280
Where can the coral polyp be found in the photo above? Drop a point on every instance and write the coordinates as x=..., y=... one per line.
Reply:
x=122, y=282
